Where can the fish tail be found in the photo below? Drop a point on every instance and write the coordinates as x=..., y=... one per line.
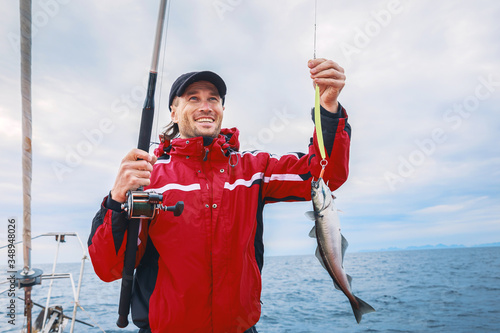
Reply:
x=361, y=308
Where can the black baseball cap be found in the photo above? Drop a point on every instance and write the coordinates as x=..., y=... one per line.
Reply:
x=183, y=81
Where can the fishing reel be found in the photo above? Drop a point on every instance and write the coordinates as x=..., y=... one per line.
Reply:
x=142, y=205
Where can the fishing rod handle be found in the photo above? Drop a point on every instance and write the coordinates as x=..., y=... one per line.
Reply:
x=128, y=272
x=122, y=321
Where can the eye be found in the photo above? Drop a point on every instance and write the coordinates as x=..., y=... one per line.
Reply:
x=193, y=98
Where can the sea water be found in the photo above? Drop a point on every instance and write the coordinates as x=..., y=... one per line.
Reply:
x=448, y=290
x=444, y=290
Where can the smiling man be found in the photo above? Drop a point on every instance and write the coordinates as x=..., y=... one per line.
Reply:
x=201, y=271
x=197, y=105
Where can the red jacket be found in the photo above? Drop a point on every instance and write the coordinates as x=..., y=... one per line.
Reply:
x=201, y=271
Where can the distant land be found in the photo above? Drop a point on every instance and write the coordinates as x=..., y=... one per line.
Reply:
x=431, y=247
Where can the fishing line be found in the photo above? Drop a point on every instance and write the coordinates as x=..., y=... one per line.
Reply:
x=317, y=106
x=315, y=20
x=157, y=114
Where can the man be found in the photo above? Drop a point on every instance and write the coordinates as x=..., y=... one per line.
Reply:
x=201, y=271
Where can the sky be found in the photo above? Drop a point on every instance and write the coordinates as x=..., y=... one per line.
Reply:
x=422, y=95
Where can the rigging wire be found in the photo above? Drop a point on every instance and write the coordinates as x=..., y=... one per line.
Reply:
x=157, y=114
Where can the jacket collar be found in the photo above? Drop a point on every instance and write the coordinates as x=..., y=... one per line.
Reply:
x=226, y=143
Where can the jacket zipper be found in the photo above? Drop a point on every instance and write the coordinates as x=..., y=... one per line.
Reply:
x=206, y=154
x=209, y=188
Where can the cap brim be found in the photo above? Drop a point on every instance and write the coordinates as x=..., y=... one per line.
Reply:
x=211, y=77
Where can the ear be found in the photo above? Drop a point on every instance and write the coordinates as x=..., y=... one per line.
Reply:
x=173, y=114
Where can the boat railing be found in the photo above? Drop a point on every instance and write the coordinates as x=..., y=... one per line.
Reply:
x=60, y=237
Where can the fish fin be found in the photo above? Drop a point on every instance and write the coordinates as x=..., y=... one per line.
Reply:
x=361, y=308
x=310, y=215
x=312, y=233
x=349, y=278
x=345, y=244
x=320, y=258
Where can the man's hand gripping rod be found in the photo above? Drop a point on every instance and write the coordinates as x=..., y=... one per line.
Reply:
x=140, y=204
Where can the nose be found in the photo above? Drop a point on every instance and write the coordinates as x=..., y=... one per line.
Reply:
x=206, y=106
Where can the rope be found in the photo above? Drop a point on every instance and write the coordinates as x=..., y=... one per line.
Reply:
x=90, y=317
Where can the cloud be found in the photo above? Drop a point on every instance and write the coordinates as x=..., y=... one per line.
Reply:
x=450, y=208
x=91, y=61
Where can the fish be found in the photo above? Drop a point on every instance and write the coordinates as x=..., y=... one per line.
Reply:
x=332, y=244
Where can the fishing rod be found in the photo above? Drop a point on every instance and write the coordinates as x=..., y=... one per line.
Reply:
x=140, y=204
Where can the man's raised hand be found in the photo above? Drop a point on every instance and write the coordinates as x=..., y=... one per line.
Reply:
x=330, y=78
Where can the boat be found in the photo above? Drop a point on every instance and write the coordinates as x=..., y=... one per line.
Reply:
x=51, y=318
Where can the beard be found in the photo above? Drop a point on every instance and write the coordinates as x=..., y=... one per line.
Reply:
x=191, y=130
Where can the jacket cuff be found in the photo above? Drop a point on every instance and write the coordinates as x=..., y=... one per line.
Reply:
x=330, y=125
x=112, y=204
x=329, y=115
x=339, y=114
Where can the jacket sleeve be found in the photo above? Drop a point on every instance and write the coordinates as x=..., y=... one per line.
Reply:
x=288, y=177
x=108, y=238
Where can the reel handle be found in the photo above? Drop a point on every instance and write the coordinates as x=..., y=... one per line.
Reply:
x=178, y=208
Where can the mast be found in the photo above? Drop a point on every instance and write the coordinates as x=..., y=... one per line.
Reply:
x=27, y=277
x=25, y=10
x=25, y=7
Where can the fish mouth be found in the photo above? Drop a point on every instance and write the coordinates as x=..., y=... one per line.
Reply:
x=315, y=189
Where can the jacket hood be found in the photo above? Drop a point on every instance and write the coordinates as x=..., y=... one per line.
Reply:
x=227, y=142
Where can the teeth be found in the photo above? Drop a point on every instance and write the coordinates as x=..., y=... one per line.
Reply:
x=205, y=120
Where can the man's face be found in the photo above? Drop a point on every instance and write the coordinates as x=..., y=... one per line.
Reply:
x=199, y=111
